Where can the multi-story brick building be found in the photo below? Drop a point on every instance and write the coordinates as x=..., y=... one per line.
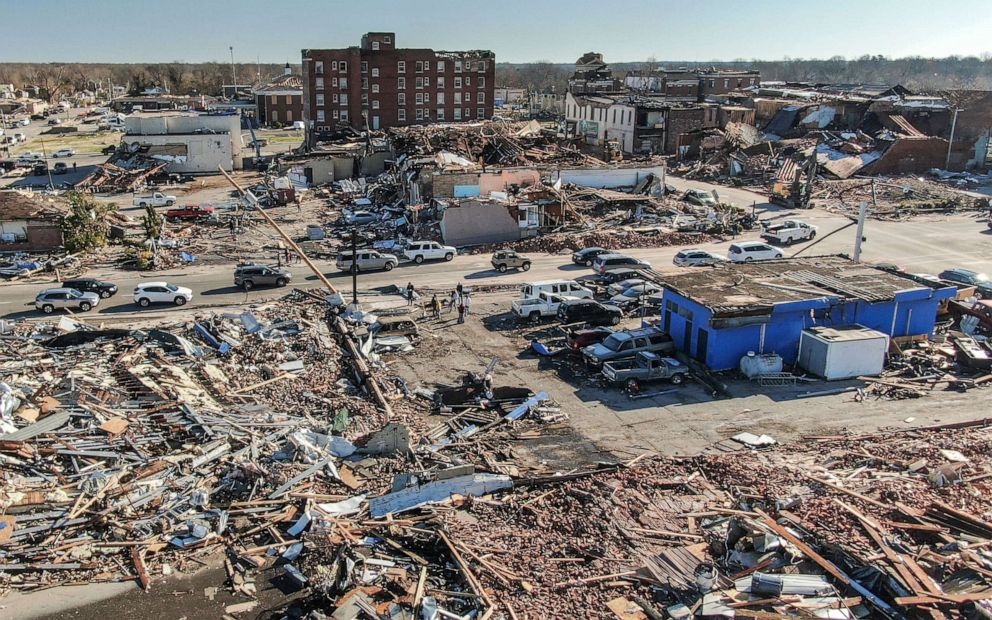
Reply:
x=385, y=86
x=281, y=100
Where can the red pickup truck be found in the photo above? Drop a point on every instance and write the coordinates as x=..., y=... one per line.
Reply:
x=189, y=213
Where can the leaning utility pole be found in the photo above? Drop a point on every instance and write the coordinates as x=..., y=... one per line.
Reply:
x=950, y=143
x=234, y=72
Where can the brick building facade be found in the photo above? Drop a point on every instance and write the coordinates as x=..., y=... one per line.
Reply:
x=387, y=86
x=281, y=100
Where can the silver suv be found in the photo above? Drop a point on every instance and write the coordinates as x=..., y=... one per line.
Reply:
x=368, y=260
x=51, y=299
x=250, y=276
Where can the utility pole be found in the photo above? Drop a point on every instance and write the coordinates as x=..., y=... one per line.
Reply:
x=234, y=71
x=354, y=267
x=950, y=143
x=862, y=216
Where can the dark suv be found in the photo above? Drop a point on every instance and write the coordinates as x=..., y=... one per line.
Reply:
x=588, y=255
x=981, y=282
x=250, y=276
x=588, y=311
x=91, y=285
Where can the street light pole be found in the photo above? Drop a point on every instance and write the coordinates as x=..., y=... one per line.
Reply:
x=950, y=143
x=234, y=72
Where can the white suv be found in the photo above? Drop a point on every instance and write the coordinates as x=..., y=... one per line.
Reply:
x=419, y=251
x=147, y=293
x=747, y=251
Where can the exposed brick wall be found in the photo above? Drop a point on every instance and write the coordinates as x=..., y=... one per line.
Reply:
x=910, y=155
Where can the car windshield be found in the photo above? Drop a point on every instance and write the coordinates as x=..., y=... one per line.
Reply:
x=172, y=287
x=981, y=277
x=74, y=293
x=613, y=342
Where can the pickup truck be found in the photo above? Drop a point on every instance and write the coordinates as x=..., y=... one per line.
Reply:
x=645, y=367
x=626, y=344
x=536, y=308
x=788, y=232
x=189, y=213
x=157, y=199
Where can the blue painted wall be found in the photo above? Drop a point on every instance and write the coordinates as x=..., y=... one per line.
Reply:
x=911, y=313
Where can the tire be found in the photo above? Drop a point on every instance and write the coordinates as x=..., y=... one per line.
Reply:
x=48, y=308
x=633, y=386
x=85, y=306
x=534, y=317
x=678, y=379
x=105, y=294
x=142, y=204
x=419, y=259
x=247, y=285
x=588, y=263
x=169, y=203
x=281, y=282
x=812, y=235
x=748, y=259
x=525, y=266
x=449, y=256
x=144, y=303
x=501, y=269
x=789, y=241
x=389, y=266
x=179, y=301
x=778, y=256
x=614, y=320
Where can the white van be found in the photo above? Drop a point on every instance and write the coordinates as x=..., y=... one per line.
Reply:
x=569, y=288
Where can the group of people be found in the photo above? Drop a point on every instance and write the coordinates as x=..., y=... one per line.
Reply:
x=460, y=300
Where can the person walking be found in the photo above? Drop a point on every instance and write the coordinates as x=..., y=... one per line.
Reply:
x=453, y=302
x=73, y=166
x=461, y=310
x=468, y=303
x=436, y=307
x=410, y=292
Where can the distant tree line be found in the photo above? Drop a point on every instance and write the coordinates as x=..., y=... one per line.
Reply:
x=926, y=75
x=57, y=80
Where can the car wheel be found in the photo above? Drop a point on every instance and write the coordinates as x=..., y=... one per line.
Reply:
x=180, y=301
x=501, y=269
x=418, y=259
x=525, y=266
x=614, y=320
x=105, y=294
x=142, y=204
x=354, y=269
x=85, y=306
x=589, y=263
x=169, y=203
x=633, y=386
x=778, y=256
x=812, y=235
x=535, y=317
x=748, y=259
x=247, y=285
x=389, y=266
x=143, y=302
x=48, y=308
x=789, y=241
x=281, y=282
x=449, y=256
x=678, y=379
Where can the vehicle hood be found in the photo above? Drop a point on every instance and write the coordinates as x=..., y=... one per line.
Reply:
x=90, y=297
x=596, y=350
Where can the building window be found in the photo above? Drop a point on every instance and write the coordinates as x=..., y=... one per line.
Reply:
x=365, y=83
x=375, y=88
x=420, y=82
x=480, y=112
x=481, y=83
x=344, y=98
x=440, y=81
x=458, y=114
x=343, y=82
x=726, y=83
x=334, y=65
x=458, y=98
x=482, y=66
x=375, y=71
x=344, y=115
x=334, y=98
x=334, y=82
x=440, y=98
x=458, y=66
x=420, y=66
x=320, y=116
x=481, y=98
x=365, y=66
x=468, y=81
x=401, y=98
x=365, y=98
x=343, y=66
x=274, y=116
x=615, y=117
x=440, y=114
x=401, y=83
x=420, y=114
x=401, y=115
x=320, y=101
x=468, y=112
x=458, y=82
x=334, y=114
x=289, y=99
x=387, y=39
x=375, y=46
x=400, y=66
x=420, y=98
x=712, y=83
x=375, y=104
x=320, y=83
x=440, y=66
x=319, y=67
x=468, y=97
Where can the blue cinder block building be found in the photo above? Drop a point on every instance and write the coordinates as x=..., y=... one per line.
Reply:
x=717, y=315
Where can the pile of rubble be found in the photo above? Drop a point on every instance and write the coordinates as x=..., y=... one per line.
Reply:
x=558, y=242
x=895, y=197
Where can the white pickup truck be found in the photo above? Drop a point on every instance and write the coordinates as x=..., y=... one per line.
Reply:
x=536, y=308
x=788, y=232
x=158, y=199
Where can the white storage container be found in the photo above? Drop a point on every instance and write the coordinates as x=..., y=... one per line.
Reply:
x=842, y=352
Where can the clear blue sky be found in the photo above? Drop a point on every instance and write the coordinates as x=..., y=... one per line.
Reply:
x=518, y=31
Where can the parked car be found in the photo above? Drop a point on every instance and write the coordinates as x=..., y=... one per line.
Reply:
x=618, y=287
x=398, y=325
x=508, y=259
x=157, y=199
x=110, y=149
x=589, y=311
x=628, y=343
x=91, y=285
x=360, y=217
x=578, y=339
x=633, y=295
x=250, y=276
x=60, y=168
x=63, y=153
x=52, y=299
x=981, y=282
x=609, y=262
x=644, y=367
x=147, y=293
x=39, y=168
x=617, y=275
x=789, y=231
x=588, y=255
x=748, y=251
x=54, y=121
x=20, y=137
x=536, y=308
x=190, y=213
x=692, y=257
x=700, y=197
x=258, y=142
x=570, y=288
x=419, y=251
x=368, y=260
